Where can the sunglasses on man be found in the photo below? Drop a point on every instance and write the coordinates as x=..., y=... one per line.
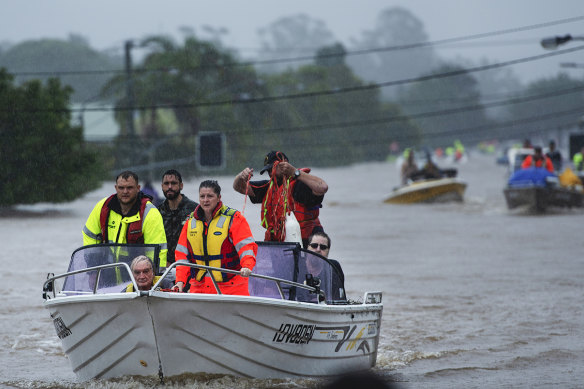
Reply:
x=316, y=245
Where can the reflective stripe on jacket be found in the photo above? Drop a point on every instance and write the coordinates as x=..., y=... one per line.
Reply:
x=118, y=227
x=225, y=242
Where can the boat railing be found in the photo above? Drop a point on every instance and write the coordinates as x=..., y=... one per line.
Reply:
x=49, y=285
x=278, y=281
x=50, y=291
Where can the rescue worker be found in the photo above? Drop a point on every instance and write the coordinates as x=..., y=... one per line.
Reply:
x=537, y=160
x=126, y=217
x=216, y=236
x=578, y=160
x=288, y=190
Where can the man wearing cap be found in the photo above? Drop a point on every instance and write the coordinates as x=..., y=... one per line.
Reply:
x=288, y=189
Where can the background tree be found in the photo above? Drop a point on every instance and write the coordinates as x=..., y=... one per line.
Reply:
x=53, y=55
x=289, y=37
x=43, y=156
x=456, y=94
x=335, y=128
x=555, y=114
x=394, y=27
x=188, y=80
x=494, y=85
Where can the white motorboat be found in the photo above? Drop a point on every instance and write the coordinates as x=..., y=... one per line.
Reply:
x=295, y=323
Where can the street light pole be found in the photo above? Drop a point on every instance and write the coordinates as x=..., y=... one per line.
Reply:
x=129, y=90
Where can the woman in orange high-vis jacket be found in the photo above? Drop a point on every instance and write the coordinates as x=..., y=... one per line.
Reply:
x=217, y=236
x=537, y=160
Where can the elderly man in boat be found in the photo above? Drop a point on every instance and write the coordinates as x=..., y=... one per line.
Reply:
x=143, y=272
x=216, y=236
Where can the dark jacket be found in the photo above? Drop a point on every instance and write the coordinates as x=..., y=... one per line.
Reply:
x=174, y=221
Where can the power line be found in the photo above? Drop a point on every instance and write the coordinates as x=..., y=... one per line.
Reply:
x=370, y=122
x=422, y=115
x=330, y=55
x=334, y=91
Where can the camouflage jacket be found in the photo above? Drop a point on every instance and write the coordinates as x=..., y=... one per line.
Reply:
x=174, y=221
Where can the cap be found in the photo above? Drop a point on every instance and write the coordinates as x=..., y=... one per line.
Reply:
x=272, y=157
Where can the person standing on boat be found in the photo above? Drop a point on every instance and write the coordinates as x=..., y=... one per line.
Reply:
x=216, y=236
x=537, y=160
x=175, y=209
x=409, y=168
x=288, y=189
x=128, y=216
x=554, y=156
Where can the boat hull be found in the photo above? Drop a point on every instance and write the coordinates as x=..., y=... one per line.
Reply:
x=168, y=334
x=428, y=191
x=539, y=198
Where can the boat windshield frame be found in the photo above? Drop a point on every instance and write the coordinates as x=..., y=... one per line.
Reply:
x=287, y=267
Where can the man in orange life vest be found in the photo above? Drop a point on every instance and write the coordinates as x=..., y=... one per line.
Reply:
x=216, y=236
x=126, y=217
x=288, y=189
x=537, y=160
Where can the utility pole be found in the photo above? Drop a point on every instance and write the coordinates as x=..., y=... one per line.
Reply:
x=129, y=91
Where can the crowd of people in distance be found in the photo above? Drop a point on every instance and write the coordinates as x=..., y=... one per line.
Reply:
x=208, y=233
x=552, y=161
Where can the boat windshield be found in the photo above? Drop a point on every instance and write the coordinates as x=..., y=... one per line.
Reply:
x=290, y=262
x=112, y=279
x=287, y=261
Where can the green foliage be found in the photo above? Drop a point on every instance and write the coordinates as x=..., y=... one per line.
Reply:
x=455, y=99
x=52, y=55
x=43, y=156
x=331, y=55
x=188, y=78
x=196, y=80
x=394, y=27
x=289, y=37
x=334, y=129
x=558, y=111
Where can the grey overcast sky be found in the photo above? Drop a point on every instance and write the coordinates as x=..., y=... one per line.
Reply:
x=108, y=23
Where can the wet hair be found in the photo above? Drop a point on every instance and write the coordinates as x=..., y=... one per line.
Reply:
x=127, y=174
x=211, y=184
x=320, y=233
x=172, y=172
x=141, y=258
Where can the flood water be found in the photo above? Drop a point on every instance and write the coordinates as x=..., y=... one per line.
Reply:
x=474, y=296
